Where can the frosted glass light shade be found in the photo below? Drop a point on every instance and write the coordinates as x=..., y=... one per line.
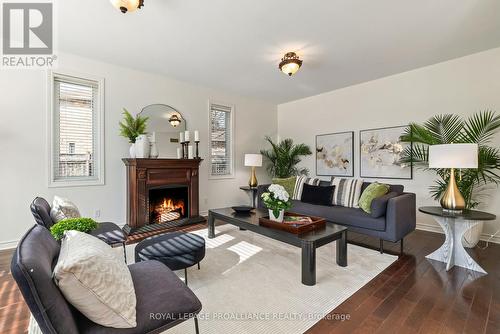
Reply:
x=126, y=5
x=453, y=156
x=253, y=160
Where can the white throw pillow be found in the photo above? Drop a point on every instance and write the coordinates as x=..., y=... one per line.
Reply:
x=299, y=185
x=96, y=281
x=63, y=208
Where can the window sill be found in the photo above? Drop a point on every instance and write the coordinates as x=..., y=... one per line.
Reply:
x=75, y=183
x=221, y=177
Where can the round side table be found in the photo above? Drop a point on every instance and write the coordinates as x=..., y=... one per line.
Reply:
x=452, y=252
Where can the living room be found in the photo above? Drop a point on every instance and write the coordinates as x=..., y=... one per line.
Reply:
x=104, y=117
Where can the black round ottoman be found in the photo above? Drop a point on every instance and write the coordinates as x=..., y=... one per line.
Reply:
x=176, y=250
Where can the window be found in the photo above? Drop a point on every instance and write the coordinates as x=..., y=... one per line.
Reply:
x=221, y=132
x=76, y=117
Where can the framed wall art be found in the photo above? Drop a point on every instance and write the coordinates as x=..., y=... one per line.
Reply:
x=335, y=154
x=380, y=154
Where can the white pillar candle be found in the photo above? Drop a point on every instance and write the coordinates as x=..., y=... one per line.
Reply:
x=190, y=152
x=196, y=136
x=186, y=135
x=179, y=153
x=181, y=137
x=153, y=137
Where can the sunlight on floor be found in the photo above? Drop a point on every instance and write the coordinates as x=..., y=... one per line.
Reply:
x=217, y=241
x=245, y=250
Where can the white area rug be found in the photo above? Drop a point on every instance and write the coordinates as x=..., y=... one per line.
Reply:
x=252, y=284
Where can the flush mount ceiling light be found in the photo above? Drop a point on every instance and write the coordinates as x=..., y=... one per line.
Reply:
x=174, y=120
x=290, y=63
x=126, y=6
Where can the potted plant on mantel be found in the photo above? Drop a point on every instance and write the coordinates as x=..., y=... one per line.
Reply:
x=277, y=200
x=479, y=128
x=131, y=128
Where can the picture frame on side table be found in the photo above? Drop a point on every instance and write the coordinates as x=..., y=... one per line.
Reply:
x=335, y=154
x=379, y=154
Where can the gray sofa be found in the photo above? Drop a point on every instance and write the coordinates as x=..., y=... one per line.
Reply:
x=393, y=215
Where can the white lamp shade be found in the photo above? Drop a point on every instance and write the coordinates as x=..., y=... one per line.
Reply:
x=453, y=156
x=253, y=160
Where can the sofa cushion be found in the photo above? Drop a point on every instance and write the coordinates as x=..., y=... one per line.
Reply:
x=397, y=188
x=341, y=215
x=379, y=205
x=288, y=184
x=374, y=190
x=299, y=185
x=63, y=208
x=317, y=195
x=162, y=300
x=347, y=191
x=96, y=281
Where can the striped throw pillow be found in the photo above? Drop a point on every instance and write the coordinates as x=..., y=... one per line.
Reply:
x=347, y=191
x=299, y=185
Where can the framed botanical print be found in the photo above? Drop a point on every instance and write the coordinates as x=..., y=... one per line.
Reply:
x=335, y=154
x=380, y=154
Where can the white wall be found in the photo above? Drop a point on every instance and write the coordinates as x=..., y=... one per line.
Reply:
x=461, y=86
x=23, y=140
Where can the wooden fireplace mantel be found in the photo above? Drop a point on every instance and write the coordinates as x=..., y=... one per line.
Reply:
x=146, y=174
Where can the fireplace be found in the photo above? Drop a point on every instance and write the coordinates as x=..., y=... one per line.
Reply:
x=167, y=204
x=161, y=193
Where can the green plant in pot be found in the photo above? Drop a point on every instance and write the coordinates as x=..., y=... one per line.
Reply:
x=277, y=200
x=132, y=127
x=78, y=224
x=480, y=128
x=283, y=158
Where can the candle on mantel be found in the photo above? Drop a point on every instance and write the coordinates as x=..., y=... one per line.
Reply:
x=190, y=152
x=196, y=136
x=186, y=135
x=179, y=153
x=181, y=137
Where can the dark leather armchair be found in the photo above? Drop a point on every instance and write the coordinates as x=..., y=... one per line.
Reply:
x=163, y=300
x=110, y=233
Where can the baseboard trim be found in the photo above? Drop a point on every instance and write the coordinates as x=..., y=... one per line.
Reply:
x=5, y=245
x=437, y=229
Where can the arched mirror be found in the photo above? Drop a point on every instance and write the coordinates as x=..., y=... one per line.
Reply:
x=166, y=123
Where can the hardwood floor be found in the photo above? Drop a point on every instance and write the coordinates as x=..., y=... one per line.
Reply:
x=413, y=295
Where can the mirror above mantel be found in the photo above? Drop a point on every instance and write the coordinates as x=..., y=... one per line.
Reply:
x=166, y=123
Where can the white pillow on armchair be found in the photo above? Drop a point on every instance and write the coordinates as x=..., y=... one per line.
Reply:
x=63, y=208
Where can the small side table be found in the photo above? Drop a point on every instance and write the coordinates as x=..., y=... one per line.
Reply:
x=253, y=191
x=452, y=252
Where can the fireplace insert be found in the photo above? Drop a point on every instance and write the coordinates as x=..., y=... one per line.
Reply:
x=167, y=204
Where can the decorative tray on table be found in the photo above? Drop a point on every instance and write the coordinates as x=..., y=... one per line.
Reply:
x=294, y=223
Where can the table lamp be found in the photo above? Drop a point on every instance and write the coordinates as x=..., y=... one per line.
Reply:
x=453, y=156
x=253, y=160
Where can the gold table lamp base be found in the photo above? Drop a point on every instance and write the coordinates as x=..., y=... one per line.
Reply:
x=253, y=179
x=452, y=199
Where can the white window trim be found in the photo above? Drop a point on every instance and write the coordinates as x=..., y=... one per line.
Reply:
x=231, y=144
x=52, y=182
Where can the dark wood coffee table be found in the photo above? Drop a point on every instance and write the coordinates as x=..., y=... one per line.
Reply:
x=308, y=242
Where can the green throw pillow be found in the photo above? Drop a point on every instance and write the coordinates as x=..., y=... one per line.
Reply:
x=288, y=184
x=374, y=190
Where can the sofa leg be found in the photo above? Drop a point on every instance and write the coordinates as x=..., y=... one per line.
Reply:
x=124, y=252
x=199, y=266
x=401, y=246
x=185, y=276
x=196, y=327
x=381, y=246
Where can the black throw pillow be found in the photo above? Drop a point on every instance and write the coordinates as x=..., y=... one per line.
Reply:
x=319, y=195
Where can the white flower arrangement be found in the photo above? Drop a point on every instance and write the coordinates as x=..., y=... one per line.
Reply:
x=276, y=199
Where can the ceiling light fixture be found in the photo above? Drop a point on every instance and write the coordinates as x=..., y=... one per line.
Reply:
x=174, y=120
x=290, y=63
x=126, y=6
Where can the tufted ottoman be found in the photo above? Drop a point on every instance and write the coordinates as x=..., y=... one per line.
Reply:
x=176, y=250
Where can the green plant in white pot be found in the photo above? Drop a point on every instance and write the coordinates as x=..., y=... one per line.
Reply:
x=277, y=200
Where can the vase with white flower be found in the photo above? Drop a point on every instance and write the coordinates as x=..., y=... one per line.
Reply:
x=277, y=200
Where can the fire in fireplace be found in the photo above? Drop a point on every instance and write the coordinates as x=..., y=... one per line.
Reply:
x=168, y=204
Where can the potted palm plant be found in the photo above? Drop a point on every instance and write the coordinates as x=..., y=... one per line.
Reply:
x=284, y=156
x=132, y=127
x=479, y=128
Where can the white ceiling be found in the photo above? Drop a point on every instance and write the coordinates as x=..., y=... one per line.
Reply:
x=235, y=45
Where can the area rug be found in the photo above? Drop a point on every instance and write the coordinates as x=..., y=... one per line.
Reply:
x=252, y=284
